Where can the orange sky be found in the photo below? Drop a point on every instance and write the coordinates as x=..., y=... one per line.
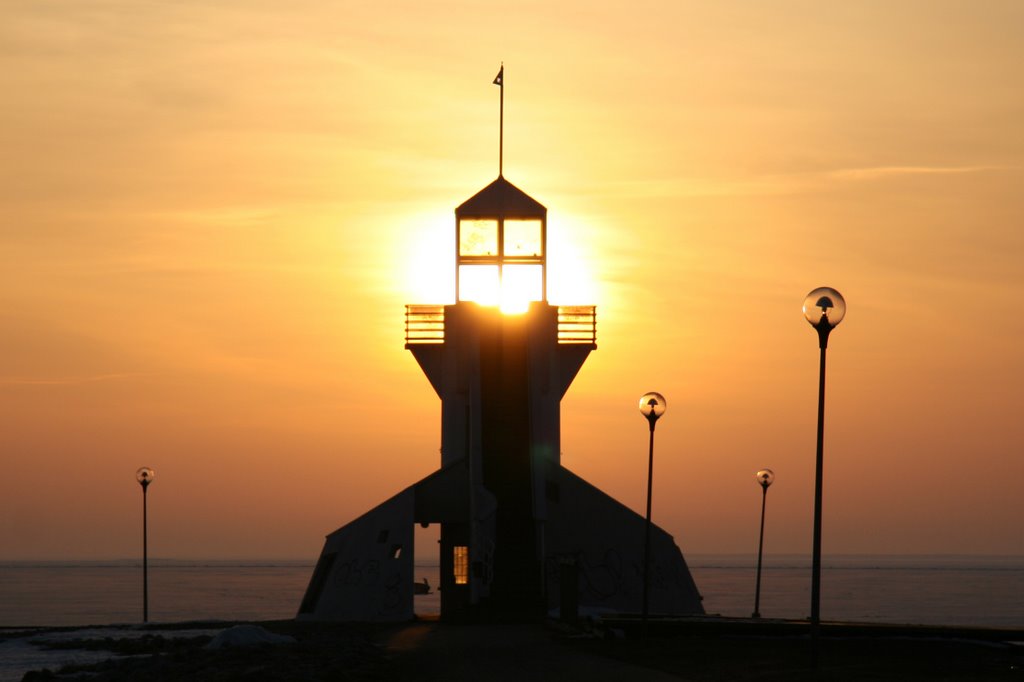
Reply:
x=212, y=214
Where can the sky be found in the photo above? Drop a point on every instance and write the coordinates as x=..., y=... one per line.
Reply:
x=212, y=215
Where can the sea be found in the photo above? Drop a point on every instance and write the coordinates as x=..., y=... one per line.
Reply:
x=981, y=591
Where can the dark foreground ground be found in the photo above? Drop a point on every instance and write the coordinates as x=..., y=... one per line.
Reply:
x=708, y=649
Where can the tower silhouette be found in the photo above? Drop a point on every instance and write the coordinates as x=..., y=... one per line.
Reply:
x=520, y=534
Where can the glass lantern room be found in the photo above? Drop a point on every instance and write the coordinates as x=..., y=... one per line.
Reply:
x=501, y=241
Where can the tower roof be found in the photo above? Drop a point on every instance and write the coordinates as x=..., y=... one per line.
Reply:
x=501, y=199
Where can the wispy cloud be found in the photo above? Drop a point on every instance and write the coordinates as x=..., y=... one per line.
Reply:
x=878, y=172
x=781, y=183
x=65, y=381
x=706, y=187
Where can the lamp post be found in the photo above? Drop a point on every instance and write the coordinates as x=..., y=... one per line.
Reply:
x=652, y=406
x=765, y=477
x=824, y=308
x=145, y=476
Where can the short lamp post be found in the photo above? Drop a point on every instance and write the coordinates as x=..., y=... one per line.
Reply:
x=765, y=477
x=824, y=308
x=652, y=406
x=145, y=476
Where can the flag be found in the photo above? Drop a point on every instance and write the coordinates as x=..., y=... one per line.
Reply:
x=500, y=76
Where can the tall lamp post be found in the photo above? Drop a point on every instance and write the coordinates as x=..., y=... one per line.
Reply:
x=145, y=476
x=652, y=406
x=824, y=308
x=765, y=477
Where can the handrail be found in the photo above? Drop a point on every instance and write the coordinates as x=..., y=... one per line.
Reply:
x=577, y=324
x=424, y=324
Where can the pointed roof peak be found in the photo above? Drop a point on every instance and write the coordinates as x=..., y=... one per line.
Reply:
x=501, y=199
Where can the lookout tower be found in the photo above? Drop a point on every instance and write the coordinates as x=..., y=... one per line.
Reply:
x=500, y=375
x=520, y=534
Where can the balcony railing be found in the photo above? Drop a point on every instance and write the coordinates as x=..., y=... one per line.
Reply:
x=577, y=324
x=425, y=324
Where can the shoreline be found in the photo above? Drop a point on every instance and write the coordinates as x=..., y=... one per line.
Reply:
x=706, y=647
x=892, y=589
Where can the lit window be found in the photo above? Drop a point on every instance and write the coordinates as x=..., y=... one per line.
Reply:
x=480, y=283
x=523, y=238
x=478, y=237
x=520, y=284
x=461, y=565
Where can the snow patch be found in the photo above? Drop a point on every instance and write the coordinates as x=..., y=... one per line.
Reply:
x=247, y=636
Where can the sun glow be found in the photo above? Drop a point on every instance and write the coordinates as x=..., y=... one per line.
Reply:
x=570, y=278
x=429, y=272
x=429, y=259
x=520, y=286
x=480, y=284
x=512, y=287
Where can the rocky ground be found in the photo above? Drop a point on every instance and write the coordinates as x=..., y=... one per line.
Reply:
x=700, y=651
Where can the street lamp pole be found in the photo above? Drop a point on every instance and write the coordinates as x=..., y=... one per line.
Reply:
x=652, y=406
x=145, y=476
x=765, y=477
x=824, y=308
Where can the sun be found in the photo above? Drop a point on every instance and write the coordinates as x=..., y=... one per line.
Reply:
x=508, y=285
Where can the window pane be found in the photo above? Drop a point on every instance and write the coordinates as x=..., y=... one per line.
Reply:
x=478, y=237
x=523, y=238
x=479, y=283
x=520, y=284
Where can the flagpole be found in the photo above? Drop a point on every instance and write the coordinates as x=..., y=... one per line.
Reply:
x=501, y=127
x=500, y=82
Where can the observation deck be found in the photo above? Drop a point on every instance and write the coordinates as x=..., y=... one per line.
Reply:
x=424, y=324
